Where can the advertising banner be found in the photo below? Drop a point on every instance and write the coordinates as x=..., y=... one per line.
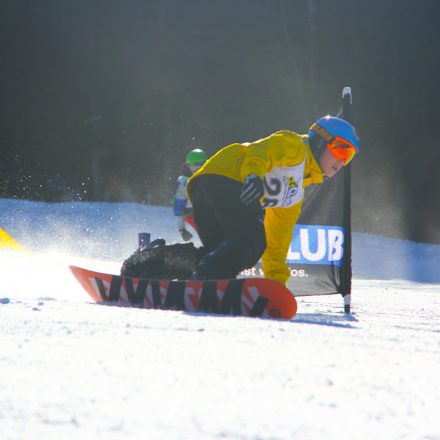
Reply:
x=318, y=256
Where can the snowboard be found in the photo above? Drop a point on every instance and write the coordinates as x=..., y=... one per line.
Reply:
x=253, y=297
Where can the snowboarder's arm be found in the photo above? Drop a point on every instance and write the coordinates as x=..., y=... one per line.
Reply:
x=180, y=203
x=181, y=198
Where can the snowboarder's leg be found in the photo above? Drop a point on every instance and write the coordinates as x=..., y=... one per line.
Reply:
x=238, y=234
x=208, y=226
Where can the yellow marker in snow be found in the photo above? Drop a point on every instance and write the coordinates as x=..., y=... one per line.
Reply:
x=8, y=243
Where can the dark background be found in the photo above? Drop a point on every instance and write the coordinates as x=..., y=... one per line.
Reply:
x=102, y=99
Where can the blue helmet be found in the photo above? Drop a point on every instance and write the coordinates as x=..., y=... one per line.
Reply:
x=330, y=126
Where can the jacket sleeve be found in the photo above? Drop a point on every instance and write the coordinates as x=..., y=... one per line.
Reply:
x=279, y=223
x=180, y=199
x=179, y=202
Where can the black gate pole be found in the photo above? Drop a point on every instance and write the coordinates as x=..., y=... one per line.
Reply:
x=346, y=271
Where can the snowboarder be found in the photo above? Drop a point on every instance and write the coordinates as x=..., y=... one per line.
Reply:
x=247, y=198
x=181, y=205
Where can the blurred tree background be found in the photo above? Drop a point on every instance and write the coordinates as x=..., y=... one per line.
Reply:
x=102, y=99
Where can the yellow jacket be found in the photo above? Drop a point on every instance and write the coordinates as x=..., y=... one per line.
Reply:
x=286, y=164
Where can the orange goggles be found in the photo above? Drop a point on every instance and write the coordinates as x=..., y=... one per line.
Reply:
x=341, y=149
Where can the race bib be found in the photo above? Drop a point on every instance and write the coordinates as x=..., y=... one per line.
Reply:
x=283, y=186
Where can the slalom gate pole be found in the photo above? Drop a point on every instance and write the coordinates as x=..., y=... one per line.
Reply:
x=346, y=271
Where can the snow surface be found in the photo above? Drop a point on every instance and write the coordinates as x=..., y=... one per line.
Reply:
x=73, y=369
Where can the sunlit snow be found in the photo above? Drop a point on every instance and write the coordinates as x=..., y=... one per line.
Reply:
x=73, y=369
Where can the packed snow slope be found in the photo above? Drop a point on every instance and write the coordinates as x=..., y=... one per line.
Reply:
x=73, y=369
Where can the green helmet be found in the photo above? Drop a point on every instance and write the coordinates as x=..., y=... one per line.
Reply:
x=196, y=157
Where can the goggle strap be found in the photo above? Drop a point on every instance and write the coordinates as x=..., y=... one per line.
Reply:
x=322, y=132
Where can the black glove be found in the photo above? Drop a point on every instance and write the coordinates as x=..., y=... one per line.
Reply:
x=186, y=235
x=252, y=189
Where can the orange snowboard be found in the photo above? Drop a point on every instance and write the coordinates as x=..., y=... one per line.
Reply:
x=244, y=297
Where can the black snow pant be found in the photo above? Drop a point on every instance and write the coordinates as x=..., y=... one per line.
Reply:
x=232, y=234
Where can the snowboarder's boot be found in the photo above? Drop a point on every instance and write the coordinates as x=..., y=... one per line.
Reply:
x=218, y=264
